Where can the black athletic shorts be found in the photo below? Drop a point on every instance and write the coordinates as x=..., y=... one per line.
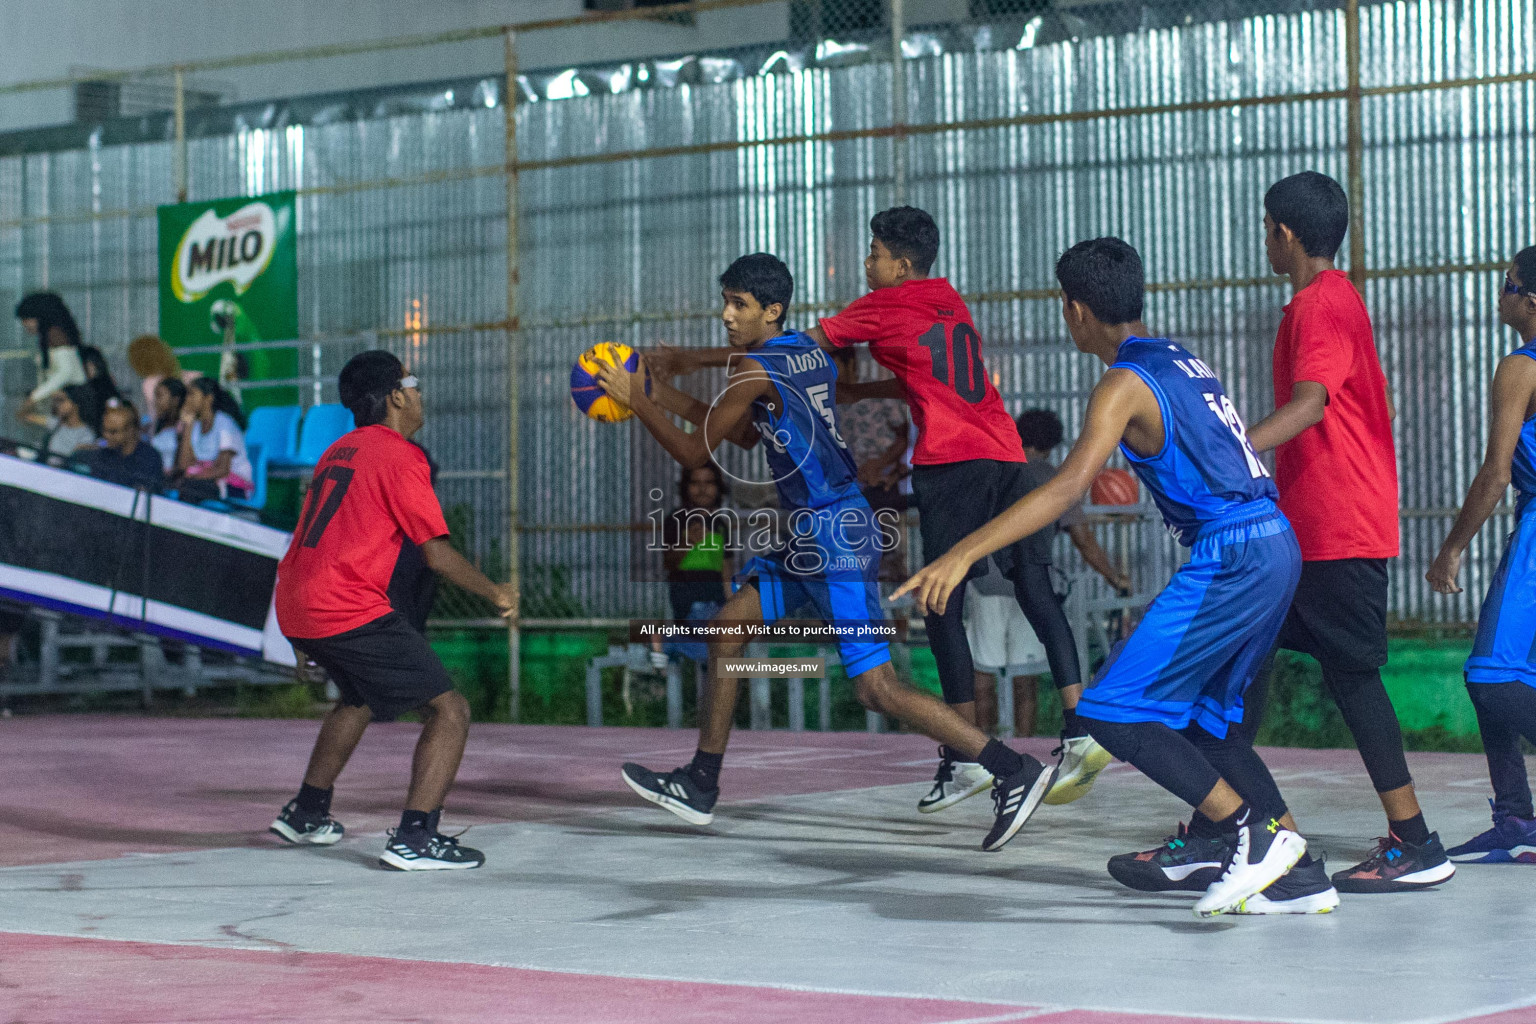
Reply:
x=385, y=665
x=956, y=498
x=1339, y=613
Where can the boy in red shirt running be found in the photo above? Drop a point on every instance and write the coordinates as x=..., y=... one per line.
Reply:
x=372, y=489
x=1336, y=470
x=967, y=468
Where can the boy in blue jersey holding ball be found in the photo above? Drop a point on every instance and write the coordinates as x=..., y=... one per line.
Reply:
x=1167, y=696
x=781, y=390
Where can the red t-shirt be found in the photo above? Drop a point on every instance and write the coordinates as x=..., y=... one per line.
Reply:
x=1338, y=478
x=371, y=488
x=922, y=332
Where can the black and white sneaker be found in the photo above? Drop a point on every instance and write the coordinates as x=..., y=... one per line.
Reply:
x=294, y=826
x=431, y=851
x=1015, y=799
x=1301, y=890
x=1265, y=850
x=955, y=780
x=676, y=791
x=1184, y=863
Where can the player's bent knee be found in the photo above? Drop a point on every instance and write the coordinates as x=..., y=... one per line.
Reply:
x=450, y=707
x=1122, y=739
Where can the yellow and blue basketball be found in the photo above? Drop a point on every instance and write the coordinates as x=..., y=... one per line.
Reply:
x=589, y=397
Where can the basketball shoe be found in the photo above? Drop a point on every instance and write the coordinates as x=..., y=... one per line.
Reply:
x=1264, y=851
x=954, y=781
x=1081, y=761
x=1512, y=840
x=676, y=791
x=428, y=851
x=1397, y=865
x=1301, y=890
x=1184, y=863
x=294, y=826
x=1015, y=798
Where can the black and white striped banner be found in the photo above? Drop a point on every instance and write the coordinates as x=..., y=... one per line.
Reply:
x=80, y=545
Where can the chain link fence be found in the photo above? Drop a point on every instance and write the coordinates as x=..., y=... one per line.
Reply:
x=727, y=126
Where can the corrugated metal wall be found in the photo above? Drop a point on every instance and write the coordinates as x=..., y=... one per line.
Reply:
x=629, y=248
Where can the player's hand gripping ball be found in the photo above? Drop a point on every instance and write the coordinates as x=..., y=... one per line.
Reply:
x=589, y=395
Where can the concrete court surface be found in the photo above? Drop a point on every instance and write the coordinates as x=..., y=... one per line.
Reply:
x=138, y=887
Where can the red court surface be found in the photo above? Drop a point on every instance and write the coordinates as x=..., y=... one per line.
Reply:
x=138, y=886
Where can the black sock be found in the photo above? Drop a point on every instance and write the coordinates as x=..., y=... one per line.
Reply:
x=1305, y=862
x=1411, y=830
x=705, y=769
x=1070, y=727
x=1000, y=759
x=432, y=820
x=1230, y=823
x=314, y=801
x=1205, y=828
x=415, y=823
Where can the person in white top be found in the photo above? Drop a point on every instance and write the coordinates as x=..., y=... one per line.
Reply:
x=211, y=458
x=58, y=341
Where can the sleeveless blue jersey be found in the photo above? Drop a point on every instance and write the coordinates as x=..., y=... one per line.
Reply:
x=811, y=465
x=1522, y=469
x=1206, y=470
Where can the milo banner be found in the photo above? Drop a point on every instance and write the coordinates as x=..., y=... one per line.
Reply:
x=231, y=263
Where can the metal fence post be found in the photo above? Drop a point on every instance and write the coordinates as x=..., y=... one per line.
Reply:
x=179, y=156
x=514, y=578
x=898, y=104
x=1354, y=126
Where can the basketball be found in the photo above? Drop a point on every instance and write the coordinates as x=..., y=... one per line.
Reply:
x=585, y=391
x=1114, y=487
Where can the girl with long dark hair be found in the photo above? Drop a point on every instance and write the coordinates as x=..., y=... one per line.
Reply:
x=169, y=395
x=58, y=343
x=210, y=456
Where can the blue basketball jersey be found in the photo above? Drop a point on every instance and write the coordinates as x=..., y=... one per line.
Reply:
x=811, y=465
x=1206, y=470
x=1522, y=469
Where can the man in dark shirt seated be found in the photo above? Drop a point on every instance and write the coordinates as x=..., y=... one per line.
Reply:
x=126, y=459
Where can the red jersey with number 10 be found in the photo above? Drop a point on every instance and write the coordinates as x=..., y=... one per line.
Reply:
x=371, y=488
x=922, y=332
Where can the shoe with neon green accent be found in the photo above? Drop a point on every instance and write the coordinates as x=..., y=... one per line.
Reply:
x=1082, y=759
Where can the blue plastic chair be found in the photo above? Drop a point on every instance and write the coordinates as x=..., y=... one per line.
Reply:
x=323, y=426
x=276, y=429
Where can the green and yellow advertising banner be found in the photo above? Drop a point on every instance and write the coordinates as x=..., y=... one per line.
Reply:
x=231, y=263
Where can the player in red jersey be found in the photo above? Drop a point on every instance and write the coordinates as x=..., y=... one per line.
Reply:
x=371, y=490
x=967, y=468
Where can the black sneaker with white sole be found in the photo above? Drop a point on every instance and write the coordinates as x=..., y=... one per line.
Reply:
x=1184, y=863
x=1397, y=865
x=1015, y=798
x=1301, y=890
x=294, y=826
x=428, y=851
x=676, y=791
x=1264, y=851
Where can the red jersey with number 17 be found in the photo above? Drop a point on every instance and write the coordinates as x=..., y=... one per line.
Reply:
x=371, y=488
x=922, y=332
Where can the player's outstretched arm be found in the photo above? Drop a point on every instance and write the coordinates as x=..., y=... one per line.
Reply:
x=668, y=361
x=454, y=567
x=1514, y=385
x=1096, y=557
x=679, y=403
x=729, y=419
x=1309, y=400
x=1119, y=398
x=858, y=391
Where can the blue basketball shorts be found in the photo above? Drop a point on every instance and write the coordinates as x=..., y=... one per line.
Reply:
x=1191, y=658
x=831, y=565
x=1504, y=650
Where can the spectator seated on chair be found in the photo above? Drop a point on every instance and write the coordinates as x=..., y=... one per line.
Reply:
x=127, y=458
x=169, y=396
x=68, y=430
x=211, y=459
